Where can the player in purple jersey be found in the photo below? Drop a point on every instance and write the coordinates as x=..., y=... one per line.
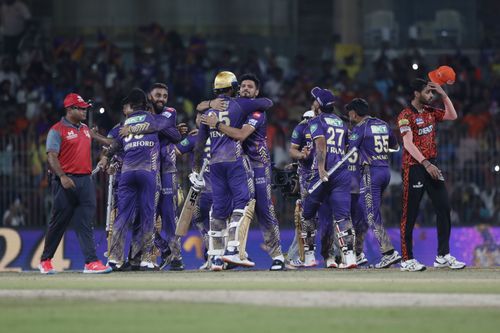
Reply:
x=329, y=134
x=253, y=137
x=201, y=216
x=170, y=246
x=302, y=150
x=228, y=176
x=374, y=139
x=138, y=181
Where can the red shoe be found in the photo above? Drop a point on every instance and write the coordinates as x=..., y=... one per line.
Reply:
x=96, y=267
x=46, y=267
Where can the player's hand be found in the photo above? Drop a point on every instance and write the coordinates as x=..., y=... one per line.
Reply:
x=94, y=132
x=323, y=175
x=103, y=162
x=305, y=152
x=434, y=171
x=182, y=128
x=67, y=183
x=438, y=89
x=211, y=119
x=197, y=180
x=194, y=132
x=124, y=131
x=219, y=104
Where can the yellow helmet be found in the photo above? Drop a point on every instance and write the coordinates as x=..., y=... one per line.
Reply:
x=225, y=80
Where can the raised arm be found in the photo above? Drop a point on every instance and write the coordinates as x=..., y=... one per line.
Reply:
x=449, y=110
x=218, y=104
x=239, y=134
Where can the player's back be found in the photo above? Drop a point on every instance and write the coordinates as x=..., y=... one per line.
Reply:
x=141, y=151
x=372, y=137
x=334, y=130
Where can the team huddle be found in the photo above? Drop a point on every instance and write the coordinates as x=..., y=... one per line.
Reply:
x=343, y=170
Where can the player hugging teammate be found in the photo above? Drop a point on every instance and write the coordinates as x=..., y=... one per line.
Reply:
x=343, y=172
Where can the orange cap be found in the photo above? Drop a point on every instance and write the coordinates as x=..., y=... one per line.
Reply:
x=443, y=75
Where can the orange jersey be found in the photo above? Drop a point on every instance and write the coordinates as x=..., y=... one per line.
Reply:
x=423, y=127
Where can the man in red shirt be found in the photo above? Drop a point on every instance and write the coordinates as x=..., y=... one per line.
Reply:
x=69, y=158
x=417, y=124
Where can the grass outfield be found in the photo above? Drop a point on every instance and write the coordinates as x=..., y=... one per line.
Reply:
x=70, y=314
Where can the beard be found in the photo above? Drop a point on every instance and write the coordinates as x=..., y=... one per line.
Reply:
x=158, y=107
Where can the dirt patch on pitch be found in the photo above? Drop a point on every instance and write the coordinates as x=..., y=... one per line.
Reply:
x=270, y=298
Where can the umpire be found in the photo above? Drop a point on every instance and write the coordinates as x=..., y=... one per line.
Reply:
x=417, y=124
x=69, y=157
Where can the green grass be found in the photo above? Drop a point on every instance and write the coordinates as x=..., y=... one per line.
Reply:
x=434, y=281
x=70, y=315
x=85, y=316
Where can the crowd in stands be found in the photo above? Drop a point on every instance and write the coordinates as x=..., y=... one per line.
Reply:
x=35, y=78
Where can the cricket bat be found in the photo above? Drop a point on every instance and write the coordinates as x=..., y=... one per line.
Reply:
x=189, y=207
x=298, y=229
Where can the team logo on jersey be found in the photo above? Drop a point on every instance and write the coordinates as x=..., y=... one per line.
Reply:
x=403, y=122
x=166, y=114
x=308, y=136
x=353, y=136
x=314, y=127
x=419, y=121
x=379, y=129
x=71, y=135
x=136, y=119
x=86, y=132
x=334, y=122
x=295, y=135
x=184, y=142
x=256, y=115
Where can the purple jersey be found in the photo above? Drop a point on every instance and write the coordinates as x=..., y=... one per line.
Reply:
x=301, y=136
x=187, y=146
x=255, y=146
x=114, y=134
x=167, y=140
x=372, y=137
x=335, y=132
x=222, y=147
x=141, y=151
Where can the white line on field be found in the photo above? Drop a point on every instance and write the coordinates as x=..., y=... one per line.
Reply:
x=270, y=298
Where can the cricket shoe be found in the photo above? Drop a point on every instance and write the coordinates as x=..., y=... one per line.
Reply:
x=46, y=267
x=361, y=259
x=310, y=259
x=176, y=265
x=96, y=267
x=294, y=264
x=388, y=260
x=166, y=258
x=206, y=265
x=349, y=260
x=148, y=266
x=233, y=257
x=331, y=262
x=412, y=265
x=448, y=261
x=217, y=264
x=277, y=265
x=115, y=266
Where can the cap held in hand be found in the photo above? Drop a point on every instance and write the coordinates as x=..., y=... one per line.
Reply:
x=443, y=75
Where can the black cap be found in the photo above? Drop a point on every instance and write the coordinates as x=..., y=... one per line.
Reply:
x=358, y=105
x=136, y=97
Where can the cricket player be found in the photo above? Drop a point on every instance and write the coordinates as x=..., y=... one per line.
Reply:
x=329, y=134
x=253, y=137
x=417, y=124
x=228, y=176
x=170, y=246
x=138, y=182
x=201, y=216
x=373, y=138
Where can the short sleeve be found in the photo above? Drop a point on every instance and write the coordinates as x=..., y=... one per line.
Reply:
x=404, y=123
x=186, y=145
x=297, y=135
x=255, y=119
x=438, y=115
x=54, y=140
x=315, y=128
x=355, y=137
